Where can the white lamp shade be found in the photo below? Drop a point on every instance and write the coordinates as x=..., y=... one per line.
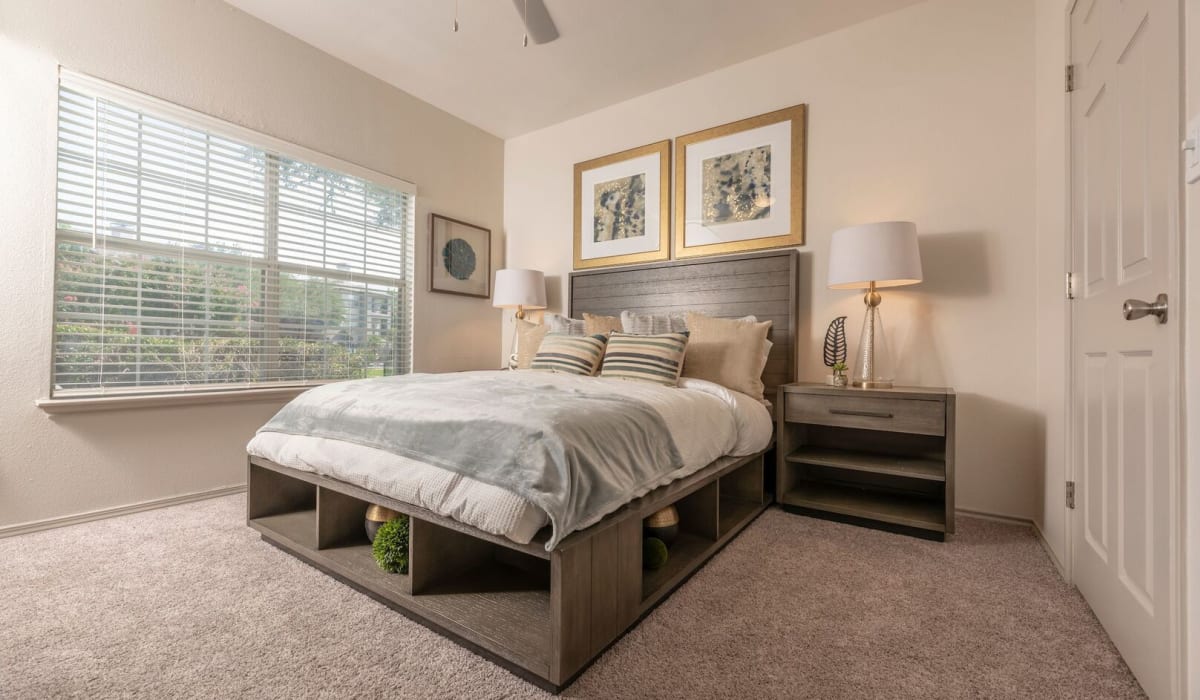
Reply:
x=523, y=288
x=885, y=253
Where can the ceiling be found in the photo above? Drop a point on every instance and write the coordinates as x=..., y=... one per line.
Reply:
x=608, y=50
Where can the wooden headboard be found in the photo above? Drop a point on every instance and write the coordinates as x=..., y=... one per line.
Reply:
x=762, y=284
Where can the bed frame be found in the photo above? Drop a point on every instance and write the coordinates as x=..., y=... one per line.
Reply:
x=547, y=615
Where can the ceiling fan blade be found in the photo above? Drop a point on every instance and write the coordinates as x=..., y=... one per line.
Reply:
x=538, y=24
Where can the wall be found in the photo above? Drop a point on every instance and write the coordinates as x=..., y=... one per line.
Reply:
x=205, y=55
x=924, y=114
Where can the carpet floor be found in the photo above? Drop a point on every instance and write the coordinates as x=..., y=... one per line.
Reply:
x=188, y=602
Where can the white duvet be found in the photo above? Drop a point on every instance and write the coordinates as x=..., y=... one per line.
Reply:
x=707, y=421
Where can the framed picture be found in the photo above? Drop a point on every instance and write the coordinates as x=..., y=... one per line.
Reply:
x=622, y=207
x=460, y=257
x=740, y=186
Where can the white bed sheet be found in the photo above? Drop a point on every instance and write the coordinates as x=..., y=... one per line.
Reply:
x=706, y=421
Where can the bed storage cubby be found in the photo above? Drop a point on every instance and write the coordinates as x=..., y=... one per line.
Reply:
x=283, y=505
x=697, y=533
x=448, y=562
x=340, y=520
x=742, y=495
x=342, y=541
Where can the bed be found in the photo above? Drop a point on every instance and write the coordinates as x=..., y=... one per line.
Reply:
x=540, y=586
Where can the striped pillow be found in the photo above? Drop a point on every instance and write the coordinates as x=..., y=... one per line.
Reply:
x=648, y=358
x=573, y=354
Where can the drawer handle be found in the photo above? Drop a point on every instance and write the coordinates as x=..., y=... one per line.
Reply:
x=865, y=414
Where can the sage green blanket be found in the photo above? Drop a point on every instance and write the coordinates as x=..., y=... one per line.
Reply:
x=578, y=453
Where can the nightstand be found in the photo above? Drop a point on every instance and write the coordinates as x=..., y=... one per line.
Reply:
x=881, y=458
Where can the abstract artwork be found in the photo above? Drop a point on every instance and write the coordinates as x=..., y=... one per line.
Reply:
x=621, y=207
x=737, y=186
x=460, y=257
x=740, y=186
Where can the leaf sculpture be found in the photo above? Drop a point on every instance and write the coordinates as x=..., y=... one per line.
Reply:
x=835, y=342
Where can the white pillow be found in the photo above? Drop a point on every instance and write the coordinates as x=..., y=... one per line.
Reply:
x=653, y=324
x=559, y=323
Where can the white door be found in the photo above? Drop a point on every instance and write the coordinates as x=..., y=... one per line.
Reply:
x=1125, y=193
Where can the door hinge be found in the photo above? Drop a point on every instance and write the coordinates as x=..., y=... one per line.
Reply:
x=1069, y=287
x=1070, y=78
x=1071, y=495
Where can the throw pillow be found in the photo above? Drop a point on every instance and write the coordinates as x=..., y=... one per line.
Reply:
x=652, y=324
x=647, y=358
x=573, y=354
x=600, y=325
x=726, y=351
x=529, y=339
x=559, y=323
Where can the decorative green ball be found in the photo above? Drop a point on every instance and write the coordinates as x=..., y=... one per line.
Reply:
x=391, y=546
x=654, y=553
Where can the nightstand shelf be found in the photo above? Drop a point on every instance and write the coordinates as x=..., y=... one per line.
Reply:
x=882, y=458
x=912, y=467
x=903, y=510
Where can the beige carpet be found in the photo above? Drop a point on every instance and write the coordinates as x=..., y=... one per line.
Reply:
x=187, y=601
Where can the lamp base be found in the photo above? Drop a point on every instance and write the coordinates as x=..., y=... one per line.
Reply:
x=873, y=364
x=872, y=384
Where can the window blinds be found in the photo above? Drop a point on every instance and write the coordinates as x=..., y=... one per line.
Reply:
x=189, y=259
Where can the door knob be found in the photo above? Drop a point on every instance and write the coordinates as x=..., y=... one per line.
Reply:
x=1136, y=308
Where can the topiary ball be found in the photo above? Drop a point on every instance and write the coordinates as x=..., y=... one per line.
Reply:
x=391, y=546
x=654, y=553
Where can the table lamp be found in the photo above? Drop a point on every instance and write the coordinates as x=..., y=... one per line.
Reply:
x=521, y=290
x=873, y=256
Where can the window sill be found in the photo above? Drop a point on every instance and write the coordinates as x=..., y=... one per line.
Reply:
x=131, y=401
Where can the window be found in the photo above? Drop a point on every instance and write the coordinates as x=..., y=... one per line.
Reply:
x=192, y=254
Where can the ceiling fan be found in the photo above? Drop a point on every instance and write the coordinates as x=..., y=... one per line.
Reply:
x=539, y=26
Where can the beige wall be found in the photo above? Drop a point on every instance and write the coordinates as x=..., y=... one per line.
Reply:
x=205, y=55
x=925, y=114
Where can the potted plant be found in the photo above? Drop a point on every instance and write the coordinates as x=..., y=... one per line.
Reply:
x=835, y=352
x=839, y=374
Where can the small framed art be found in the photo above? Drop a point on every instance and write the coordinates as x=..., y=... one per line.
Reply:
x=460, y=257
x=622, y=207
x=740, y=186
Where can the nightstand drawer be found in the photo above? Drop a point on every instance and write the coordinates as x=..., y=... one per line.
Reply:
x=868, y=412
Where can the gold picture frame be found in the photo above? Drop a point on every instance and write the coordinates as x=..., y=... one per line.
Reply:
x=641, y=230
x=726, y=213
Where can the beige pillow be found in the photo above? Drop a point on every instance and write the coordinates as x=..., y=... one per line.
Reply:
x=529, y=339
x=726, y=351
x=600, y=325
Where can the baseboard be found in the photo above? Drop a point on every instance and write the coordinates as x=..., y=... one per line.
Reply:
x=1062, y=570
x=1026, y=522
x=1011, y=520
x=52, y=523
